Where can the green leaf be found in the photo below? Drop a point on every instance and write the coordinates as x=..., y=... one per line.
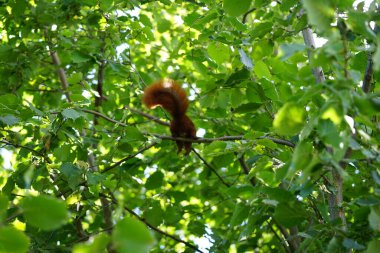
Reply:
x=13, y=241
x=253, y=135
x=236, y=97
x=9, y=120
x=215, y=148
x=289, y=119
x=278, y=194
x=145, y=20
x=287, y=4
x=154, y=214
x=240, y=214
x=197, y=228
x=223, y=99
x=238, y=77
x=75, y=78
x=334, y=245
x=374, y=218
x=373, y=246
x=266, y=143
x=290, y=214
x=320, y=13
x=248, y=108
x=368, y=201
x=125, y=147
x=334, y=113
x=261, y=70
x=94, y=178
x=302, y=156
x=131, y=235
x=4, y=202
x=329, y=133
x=98, y=244
x=72, y=174
x=219, y=52
x=133, y=134
x=8, y=103
x=267, y=177
x=163, y=25
x=172, y=214
x=269, y=89
x=155, y=181
x=148, y=33
x=358, y=22
x=352, y=244
x=18, y=8
x=71, y=114
x=235, y=9
x=78, y=57
x=63, y=153
x=106, y=5
x=367, y=105
x=261, y=29
x=202, y=21
x=289, y=49
x=245, y=59
x=45, y=212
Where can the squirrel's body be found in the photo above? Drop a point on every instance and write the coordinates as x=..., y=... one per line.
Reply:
x=170, y=96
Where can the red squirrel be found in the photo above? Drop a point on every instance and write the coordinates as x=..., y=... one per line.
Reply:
x=169, y=95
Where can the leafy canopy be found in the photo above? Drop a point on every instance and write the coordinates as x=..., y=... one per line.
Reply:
x=287, y=158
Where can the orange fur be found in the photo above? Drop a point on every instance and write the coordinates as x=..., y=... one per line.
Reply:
x=172, y=97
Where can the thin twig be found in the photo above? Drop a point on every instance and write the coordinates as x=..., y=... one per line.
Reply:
x=278, y=141
x=128, y=157
x=316, y=210
x=148, y=116
x=38, y=153
x=283, y=243
x=210, y=167
x=115, y=202
x=245, y=16
x=293, y=246
x=246, y=169
x=103, y=116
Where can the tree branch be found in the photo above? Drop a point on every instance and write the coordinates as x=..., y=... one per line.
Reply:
x=61, y=73
x=310, y=43
x=335, y=200
x=367, y=81
x=198, y=140
x=106, y=205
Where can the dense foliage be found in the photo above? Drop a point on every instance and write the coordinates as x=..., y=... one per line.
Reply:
x=288, y=155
